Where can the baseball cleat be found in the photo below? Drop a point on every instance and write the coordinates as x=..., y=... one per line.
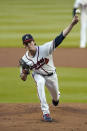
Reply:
x=47, y=118
x=55, y=103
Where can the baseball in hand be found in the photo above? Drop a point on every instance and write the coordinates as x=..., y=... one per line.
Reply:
x=78, y=11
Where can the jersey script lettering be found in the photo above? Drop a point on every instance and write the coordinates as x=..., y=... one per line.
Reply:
x=39, y=63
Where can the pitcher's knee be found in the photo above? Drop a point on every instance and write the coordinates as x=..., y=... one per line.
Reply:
x=40, y=83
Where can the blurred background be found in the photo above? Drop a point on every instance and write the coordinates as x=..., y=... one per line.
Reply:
x=44, y=19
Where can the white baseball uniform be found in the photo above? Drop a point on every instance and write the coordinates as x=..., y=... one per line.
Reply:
x=83, y=5
x=44, y=73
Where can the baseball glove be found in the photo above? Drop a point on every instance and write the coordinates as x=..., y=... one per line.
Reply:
x=24, y=66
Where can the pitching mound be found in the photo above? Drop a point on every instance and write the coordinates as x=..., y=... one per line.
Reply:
x=28, y=117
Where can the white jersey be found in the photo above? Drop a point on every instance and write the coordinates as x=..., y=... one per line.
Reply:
x=82, y=4
x=42, y=66
x=42, y=62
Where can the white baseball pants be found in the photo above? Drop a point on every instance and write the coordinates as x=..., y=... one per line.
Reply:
x=51, y=82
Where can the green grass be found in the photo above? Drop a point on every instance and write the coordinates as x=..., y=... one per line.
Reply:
x=72, y=82
x=44, y=19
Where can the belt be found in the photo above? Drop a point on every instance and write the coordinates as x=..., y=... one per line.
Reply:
x=50, y=74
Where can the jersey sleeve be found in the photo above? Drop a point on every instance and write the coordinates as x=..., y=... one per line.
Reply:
x=47, y=48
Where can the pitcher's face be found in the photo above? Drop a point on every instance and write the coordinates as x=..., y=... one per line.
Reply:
x=30, y=46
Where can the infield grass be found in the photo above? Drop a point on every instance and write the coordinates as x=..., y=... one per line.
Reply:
x=72, y=82
x=44, y=19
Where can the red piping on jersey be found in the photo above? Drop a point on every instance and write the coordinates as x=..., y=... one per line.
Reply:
x=37, y=59
x=38, y=54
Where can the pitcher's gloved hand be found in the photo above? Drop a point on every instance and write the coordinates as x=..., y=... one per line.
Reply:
x=25, y=67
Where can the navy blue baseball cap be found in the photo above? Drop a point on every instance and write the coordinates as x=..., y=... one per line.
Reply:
x=27, y=38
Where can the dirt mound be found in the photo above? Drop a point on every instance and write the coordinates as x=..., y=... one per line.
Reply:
x=28, y=117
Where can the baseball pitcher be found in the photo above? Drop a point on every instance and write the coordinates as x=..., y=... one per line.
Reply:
x=39, y=59
x=83, y=35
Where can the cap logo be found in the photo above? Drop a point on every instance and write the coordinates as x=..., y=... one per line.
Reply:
x=26, y=37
